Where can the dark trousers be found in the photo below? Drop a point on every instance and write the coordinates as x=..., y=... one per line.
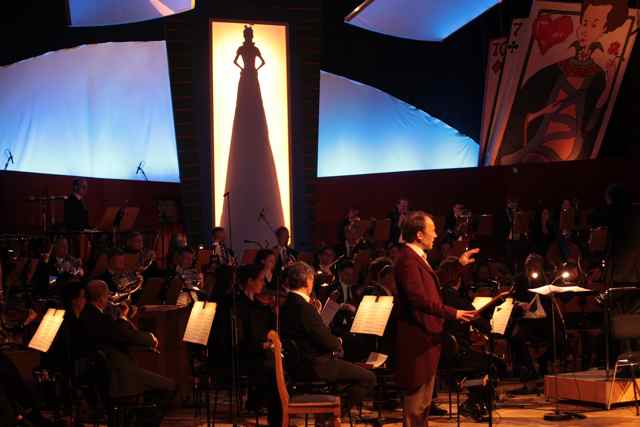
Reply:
x=354, y=381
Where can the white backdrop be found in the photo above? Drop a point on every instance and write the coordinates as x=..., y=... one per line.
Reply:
x=94, y=110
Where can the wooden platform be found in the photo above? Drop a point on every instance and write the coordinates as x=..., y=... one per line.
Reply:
x=588, y=387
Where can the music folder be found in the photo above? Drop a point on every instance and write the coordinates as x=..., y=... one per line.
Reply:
x=501, y=313
x=47, y=330
x=372, y=315
x=200, y=322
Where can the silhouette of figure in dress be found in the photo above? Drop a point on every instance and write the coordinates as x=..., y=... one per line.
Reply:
x=251, y=174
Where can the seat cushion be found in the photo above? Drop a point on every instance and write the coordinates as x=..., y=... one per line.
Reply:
x=314, y=400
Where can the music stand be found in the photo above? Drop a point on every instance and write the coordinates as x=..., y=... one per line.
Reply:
x=129, y=219
x=108, y=218
x=551, y=291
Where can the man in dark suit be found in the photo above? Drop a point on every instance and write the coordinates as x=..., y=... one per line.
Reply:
x=76, y=215
x=116, y=338
x=300, y=323
x=421, y=315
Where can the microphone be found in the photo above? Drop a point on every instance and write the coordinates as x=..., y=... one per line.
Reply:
x=261, y=214
x=139, y=170
x=9, y=158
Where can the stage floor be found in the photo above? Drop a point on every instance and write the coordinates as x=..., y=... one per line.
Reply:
x=529, y=412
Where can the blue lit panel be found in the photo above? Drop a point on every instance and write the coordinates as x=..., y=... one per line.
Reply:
x=90, y=13
x=427, y=20
x=94, y=110
x=364, y=130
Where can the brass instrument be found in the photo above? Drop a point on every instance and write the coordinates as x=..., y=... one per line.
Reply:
x=127, y=284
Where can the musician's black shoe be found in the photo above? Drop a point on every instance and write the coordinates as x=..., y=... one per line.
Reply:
x=437, y=411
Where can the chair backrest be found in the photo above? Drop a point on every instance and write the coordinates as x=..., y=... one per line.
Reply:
x=625, y=326
x=276, y=346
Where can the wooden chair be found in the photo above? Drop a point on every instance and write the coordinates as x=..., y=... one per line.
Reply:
x=303, y=403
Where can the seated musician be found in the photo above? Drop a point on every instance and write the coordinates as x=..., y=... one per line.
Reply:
x=267, y=259
x=65, y=349
x=324, y=260
x=254, y=319
x=451, y=225
x=177, y=242
x=342, y=290
x=116, y=277
x=220, y=254
x=531, y=324
x=460, y=352
x=146, y=262
x=76, y=215
x=352, y=244
x=312, y=343
x=189, y=275
x=59, y=269
x=285, y=254
x=116, y=338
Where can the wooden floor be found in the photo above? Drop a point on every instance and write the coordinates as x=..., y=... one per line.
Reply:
x=518, y=411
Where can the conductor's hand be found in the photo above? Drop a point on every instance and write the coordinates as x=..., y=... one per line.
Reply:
x=466, y=315
x=466, y=258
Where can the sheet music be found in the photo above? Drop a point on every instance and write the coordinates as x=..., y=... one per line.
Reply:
x=553, y=289
x=376, y=359
x=47, y=331
x=200, y=322
x=501, y=316
x=329, y=311
x=372, y=315
x=479, y=302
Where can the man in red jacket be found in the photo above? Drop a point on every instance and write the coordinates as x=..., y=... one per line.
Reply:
x=421, y=317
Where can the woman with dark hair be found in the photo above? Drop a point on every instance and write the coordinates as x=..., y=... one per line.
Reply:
x=266, y=258
x=254, y=320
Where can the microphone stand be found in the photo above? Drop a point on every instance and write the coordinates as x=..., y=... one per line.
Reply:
x=235, y=363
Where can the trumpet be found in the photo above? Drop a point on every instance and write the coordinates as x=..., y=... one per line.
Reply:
x=127, y=285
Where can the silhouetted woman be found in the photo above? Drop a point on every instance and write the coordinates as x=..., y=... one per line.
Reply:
x=251, y=174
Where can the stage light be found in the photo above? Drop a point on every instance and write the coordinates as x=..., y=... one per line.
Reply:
x=535, y=275
x=565, y=275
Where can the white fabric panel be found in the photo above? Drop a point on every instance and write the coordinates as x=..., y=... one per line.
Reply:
x=89, y=13
x=364, y=130
x=94, y=111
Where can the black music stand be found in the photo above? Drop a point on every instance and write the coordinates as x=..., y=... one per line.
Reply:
x=558, y=415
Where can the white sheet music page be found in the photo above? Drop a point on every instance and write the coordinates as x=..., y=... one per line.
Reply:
x=200, y=322
x=329, y=311
x=479, y=302
x=47, y=331
x=553, y=289
x=372, y=315
x=375, y=360
x=501, y=316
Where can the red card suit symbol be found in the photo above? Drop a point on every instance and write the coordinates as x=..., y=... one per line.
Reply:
x=497, y=66
x=549, y=32
x=614, y=48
